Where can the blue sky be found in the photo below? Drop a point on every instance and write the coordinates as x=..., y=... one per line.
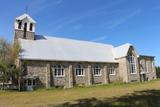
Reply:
x=107, y=21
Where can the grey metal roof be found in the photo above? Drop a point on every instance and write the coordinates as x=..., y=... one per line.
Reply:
x=121, y=51
x=60, y=49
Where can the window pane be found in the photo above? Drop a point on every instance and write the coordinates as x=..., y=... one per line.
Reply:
x=132, y=64
x=29, y=82
x=111, y=70
x=96, y=70
x=59, y=71
x=79, y=70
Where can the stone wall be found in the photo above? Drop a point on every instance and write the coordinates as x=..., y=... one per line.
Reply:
x=124, y=67
x=116, y=77
x=46, y=72
x=39, y=69
x=147, y=63
x=20, y=34
x=123, y=70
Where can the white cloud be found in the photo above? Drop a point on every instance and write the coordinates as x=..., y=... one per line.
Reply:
x=71, y=19
x=77, y=26
x=114, y=23
x=37, y=6
x=98, y=39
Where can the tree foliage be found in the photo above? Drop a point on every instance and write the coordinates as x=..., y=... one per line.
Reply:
x=8, y=54
x=158, y=71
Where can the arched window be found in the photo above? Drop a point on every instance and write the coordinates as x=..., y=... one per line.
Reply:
x=20, y=25
x=59, y=71
x=132, y=64
x=25, y=26
x=79, y=70
x=31, y=27
x=25, y=29
x=111, y=70
x=97, y=70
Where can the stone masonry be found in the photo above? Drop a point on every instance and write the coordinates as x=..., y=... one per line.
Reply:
x=45, y=71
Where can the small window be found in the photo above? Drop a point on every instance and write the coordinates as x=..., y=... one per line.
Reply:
x=29, y=82
x=25, y=82
x=111, y=70
x=34, y=82
x=20, y=25
x=59, y=71
x=79, y=70
x=97, y=70
x=31, y=27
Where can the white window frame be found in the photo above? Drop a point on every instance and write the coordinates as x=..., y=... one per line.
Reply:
x=79, y=71
x=111, y=70
x=132, y=64
x=147, y=66
x=153, y=66
x=97, y=71
x=59, y=71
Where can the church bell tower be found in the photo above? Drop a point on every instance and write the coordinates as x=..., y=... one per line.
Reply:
x=24, y=27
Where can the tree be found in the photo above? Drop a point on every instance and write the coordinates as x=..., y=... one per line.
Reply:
x=4, y=74
x=158, y=71
x=4, y=57
x=8, y=55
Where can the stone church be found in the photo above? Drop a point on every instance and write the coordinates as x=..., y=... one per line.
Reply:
x=60, y=62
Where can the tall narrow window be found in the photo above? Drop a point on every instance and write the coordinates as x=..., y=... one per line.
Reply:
x=34, y=82
x=31, y=27
x=20, y=25
x=96, y=70
x=25, y=26
x=59, y=71
x=153, y=67
x=147, y=66
x=79, y=70
x=142, y=66
x=111, y=70
x=25, y=29
x=132, y=64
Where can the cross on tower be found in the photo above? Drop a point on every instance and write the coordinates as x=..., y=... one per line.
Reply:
x=27, y=9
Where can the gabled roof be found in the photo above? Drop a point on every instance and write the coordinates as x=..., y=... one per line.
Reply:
x=25, y=16
x=60, y=49
x=121, y=51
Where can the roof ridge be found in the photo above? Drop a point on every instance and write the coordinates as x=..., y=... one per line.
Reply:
x=25, y=15
x=98, y=43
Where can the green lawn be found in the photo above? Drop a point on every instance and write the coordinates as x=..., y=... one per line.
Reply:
x=145, y=94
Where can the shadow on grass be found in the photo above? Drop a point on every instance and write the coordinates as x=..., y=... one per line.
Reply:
x=148, y=98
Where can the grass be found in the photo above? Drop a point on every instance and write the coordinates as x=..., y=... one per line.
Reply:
x=145, y=94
